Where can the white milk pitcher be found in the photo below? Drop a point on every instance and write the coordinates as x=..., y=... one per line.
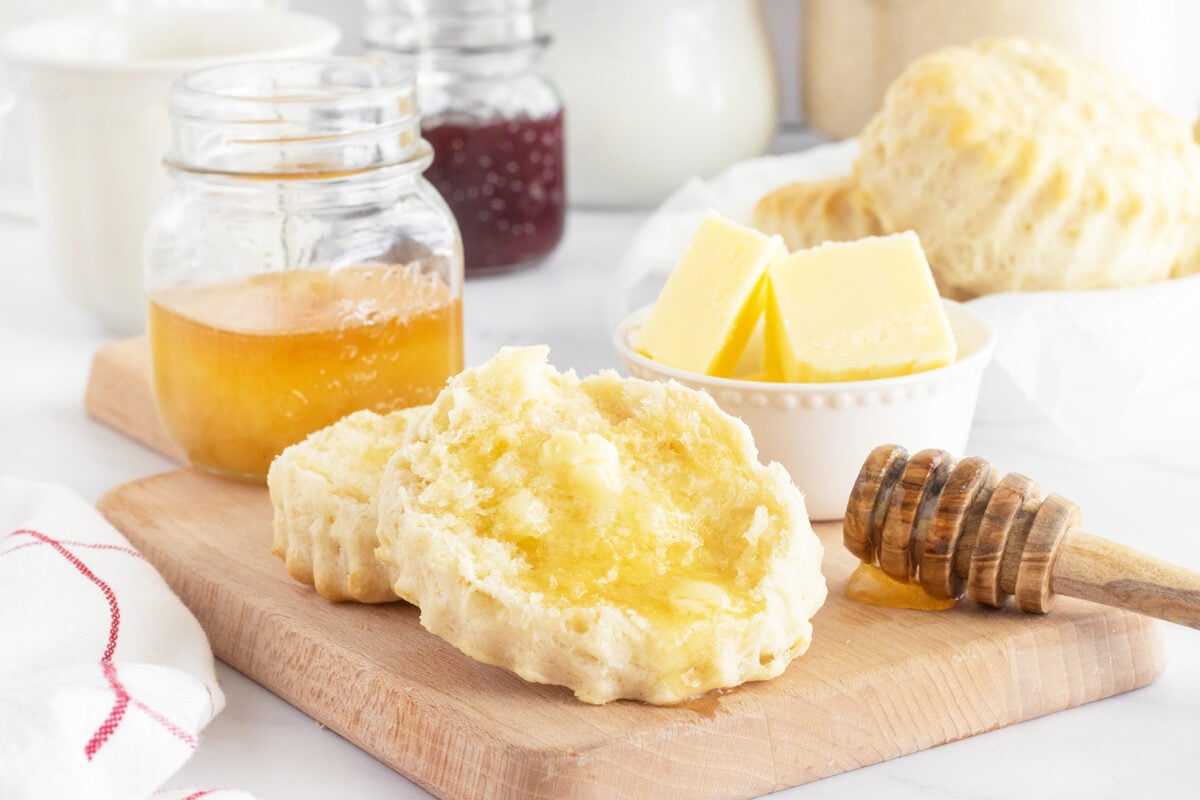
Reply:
x=657, y=92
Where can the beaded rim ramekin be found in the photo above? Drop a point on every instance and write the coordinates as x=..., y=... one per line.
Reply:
x=821, y=432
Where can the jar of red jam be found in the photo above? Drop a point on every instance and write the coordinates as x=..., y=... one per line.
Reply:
x=496, y=125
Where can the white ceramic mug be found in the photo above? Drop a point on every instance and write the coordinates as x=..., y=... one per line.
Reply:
x=96, y=88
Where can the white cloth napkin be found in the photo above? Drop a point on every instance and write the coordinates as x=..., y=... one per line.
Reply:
x=106, y=679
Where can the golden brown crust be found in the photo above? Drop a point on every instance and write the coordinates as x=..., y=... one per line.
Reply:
x=809, y=213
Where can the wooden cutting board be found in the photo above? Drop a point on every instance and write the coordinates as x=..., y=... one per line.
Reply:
x=876, y=684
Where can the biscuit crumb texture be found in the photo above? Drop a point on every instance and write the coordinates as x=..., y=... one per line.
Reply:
x=1023, y=168
x=324, y=491
x=615, y=536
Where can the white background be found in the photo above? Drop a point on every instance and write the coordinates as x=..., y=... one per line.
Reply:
x=1142, y=744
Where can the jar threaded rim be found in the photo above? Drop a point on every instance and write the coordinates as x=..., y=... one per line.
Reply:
x=301, y=117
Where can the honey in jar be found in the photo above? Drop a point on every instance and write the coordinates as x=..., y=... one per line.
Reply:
x=299, y=267
x=243, y=369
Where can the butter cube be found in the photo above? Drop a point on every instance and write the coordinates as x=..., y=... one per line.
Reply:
x=712, y=300
x=855, y=311
x=751, y=359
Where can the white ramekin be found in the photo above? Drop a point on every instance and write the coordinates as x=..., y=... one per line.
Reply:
x=822, y=432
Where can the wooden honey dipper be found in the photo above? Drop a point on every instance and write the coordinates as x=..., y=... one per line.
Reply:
x=953, y=524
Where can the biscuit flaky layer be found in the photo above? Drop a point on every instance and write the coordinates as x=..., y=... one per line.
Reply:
x=615, y=536
x=1023, y=168
x=324, y=491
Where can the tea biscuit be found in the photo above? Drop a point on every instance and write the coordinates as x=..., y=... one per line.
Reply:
x=809, y=213
x=324, y=492
x=615, y=536
x=1023, y=168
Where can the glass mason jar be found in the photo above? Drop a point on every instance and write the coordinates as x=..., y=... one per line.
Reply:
x=496, y=125
x=300, y=267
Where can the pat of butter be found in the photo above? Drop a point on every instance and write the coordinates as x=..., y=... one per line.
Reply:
x=712, y=300
x=855, y=311
x=589, y=464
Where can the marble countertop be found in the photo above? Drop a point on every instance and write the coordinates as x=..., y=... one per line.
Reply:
x=1141, y=744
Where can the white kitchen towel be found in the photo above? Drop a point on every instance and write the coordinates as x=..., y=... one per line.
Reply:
x=106, y=679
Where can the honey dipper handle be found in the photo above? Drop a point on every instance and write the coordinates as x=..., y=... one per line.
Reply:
x=1098, y=569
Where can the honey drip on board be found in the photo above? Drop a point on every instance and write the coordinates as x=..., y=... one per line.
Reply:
x=245, y=368
x=871, y=585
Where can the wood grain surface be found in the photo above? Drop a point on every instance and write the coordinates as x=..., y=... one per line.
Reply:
x=877, y=683
x=119, y=394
